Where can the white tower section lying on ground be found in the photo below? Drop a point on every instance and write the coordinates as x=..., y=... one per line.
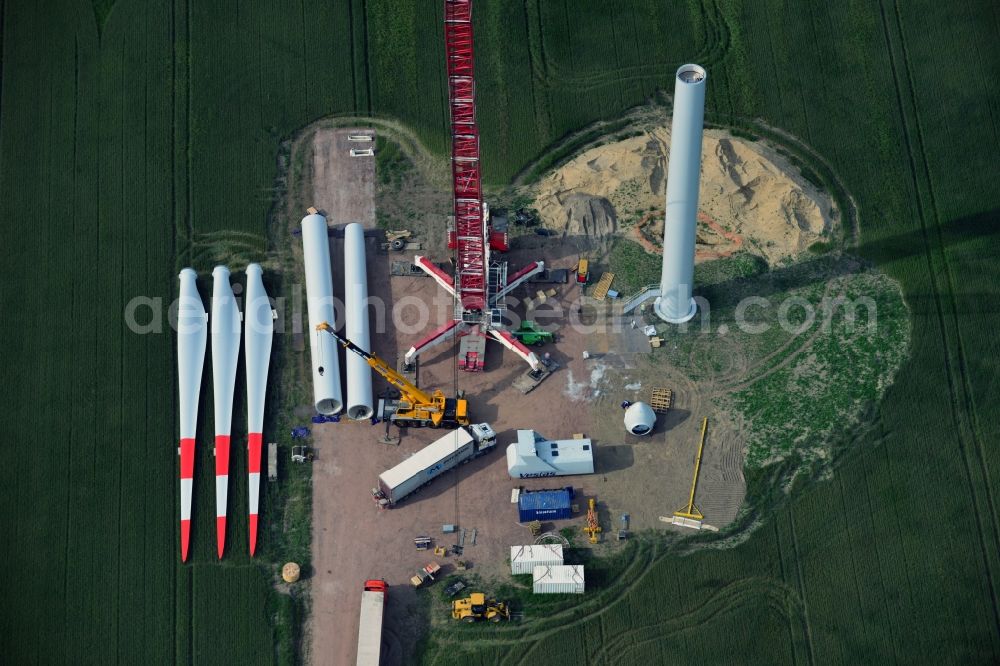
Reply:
x=674, y=304
x=328, y=398
x=359, y=373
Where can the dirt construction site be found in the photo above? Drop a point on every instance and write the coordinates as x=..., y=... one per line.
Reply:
x=600, y=357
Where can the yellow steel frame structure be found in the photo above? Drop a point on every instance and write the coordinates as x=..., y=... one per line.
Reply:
x=691, y=511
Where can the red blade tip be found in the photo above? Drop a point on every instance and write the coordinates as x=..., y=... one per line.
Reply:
x=185, y=539
x=220, y=530
x=253, y=533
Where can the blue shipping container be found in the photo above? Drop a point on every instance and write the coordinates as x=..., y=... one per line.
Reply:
x=545, y=505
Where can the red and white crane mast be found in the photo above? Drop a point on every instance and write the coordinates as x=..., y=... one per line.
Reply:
x=471, y=233
x=479, y=285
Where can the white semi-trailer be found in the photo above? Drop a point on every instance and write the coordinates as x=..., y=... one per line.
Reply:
x=459, y=446
x=370, y=630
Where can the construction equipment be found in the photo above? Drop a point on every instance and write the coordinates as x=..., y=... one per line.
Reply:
x=272, y=461
x=444, y=454
x=480, y=281
x=422, y=542
x=550, y=276
x=583, y=272
x=302, y=454
x=623, y=527
x=526, y=217
x=425, y=573
x=440, y=551
x=406, y=269
x=415, y=407
x=529, y=379
x=593, y=527
x=531, y=333
x=691, y=512
x=600, y=291
x=397, y=239
x=373, y=600
x=476, y=607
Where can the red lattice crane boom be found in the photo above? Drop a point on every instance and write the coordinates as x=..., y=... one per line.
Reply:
x=471, y=235
x=478, y=286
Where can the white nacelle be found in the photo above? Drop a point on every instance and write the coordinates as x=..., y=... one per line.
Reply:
x=640, y=419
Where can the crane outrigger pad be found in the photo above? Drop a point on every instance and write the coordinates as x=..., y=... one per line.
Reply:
x=409, y=370
x=530, y=379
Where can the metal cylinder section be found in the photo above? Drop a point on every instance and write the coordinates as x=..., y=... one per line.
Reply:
x=356, y=329
x=675, y=304
x=327, y=396
x=640, y=419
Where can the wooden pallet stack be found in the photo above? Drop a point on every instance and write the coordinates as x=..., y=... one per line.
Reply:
x=661, y=399
x=600, y=290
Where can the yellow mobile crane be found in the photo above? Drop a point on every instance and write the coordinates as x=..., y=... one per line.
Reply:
x=414, y=408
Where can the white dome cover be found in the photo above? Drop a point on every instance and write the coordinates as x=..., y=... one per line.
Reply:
x=640, y=419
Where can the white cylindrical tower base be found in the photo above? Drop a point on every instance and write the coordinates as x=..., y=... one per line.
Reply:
x=327, y=396
x=660, y=307
x=359, y=373
x=675, y=304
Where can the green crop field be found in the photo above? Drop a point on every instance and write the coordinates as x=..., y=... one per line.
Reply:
x=140, y=137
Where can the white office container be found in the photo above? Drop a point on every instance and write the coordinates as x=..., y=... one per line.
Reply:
x=561, y=579
x=524, y=559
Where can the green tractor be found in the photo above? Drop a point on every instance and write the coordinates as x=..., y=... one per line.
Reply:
x=531, y=334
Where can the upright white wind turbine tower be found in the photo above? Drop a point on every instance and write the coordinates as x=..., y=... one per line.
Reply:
x=674, y=303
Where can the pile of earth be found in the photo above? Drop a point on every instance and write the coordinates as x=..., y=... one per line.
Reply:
x=751, y=197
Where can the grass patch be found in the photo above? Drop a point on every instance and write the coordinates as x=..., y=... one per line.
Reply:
x=820, y=247
x=391, y=163
x=633, y=267
x=568, y=148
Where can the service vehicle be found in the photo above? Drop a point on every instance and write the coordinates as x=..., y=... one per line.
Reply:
x=445, y=453
x=373, y=600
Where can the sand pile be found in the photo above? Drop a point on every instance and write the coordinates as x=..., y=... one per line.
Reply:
x=751, y=198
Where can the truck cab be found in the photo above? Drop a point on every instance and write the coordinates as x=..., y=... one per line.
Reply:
x=376, y=585
x=484, y=435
